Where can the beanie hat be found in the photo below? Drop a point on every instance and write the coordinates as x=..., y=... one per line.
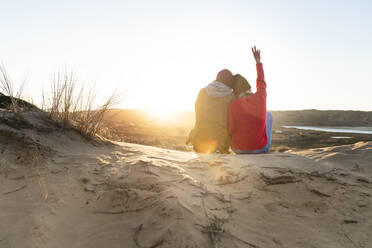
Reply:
x=225, y=76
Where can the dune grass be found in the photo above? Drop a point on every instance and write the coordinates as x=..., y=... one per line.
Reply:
x=66, y=103
x=7, y=86
x=76, y=107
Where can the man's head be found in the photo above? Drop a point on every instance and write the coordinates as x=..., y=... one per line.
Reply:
x=225, y=76
x=240, y=84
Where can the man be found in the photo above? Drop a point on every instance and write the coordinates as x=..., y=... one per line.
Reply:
x=210, y=133
x=249, y=124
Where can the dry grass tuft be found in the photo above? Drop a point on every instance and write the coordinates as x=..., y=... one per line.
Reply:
x=67, y=104
x=77, y=107
x=7, y=86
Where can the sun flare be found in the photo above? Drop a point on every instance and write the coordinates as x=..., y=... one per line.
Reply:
x=162, y=113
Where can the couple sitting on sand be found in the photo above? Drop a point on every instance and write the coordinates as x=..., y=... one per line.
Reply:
x=229, y=114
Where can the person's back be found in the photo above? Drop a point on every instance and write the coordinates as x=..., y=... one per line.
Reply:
x=247, y=122
x=248, y=119
x=210, y=132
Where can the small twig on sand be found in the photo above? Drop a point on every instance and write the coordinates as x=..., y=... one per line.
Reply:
x=350, y=221
x=211, y=232
x=17, y=189
x=315, y=191
x=115, y=212
x=136, y=232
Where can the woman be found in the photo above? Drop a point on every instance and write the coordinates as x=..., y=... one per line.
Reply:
x=249, y=125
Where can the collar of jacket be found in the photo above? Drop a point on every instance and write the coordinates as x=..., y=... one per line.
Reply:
x=218, y=89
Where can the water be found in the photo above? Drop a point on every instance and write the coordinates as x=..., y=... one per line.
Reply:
x=360, y=130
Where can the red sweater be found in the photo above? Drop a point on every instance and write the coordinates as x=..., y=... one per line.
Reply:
x=247, y=117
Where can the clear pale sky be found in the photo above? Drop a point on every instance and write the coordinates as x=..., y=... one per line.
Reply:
x=316, y=54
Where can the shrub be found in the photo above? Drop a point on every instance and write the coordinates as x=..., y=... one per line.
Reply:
x=70, y=106
x=11, y=99
x=77, y=107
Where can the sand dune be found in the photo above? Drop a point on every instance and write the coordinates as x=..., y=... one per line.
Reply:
x=59, y=190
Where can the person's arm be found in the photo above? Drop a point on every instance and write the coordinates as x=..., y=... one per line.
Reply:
x=260, y=82
x=231, y=122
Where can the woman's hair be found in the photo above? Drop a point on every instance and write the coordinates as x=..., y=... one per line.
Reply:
x=240, y=84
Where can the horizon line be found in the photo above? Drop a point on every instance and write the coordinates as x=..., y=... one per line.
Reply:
x=276, y=110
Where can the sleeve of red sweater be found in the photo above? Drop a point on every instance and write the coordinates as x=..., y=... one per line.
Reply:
x=260, y=82
x=231, y=120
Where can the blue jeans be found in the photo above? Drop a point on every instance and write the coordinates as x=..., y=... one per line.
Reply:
x=265, y=149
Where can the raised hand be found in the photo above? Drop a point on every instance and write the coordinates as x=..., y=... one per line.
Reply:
x=256, y=54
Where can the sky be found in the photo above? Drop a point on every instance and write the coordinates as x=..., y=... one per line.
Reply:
x=316, y=54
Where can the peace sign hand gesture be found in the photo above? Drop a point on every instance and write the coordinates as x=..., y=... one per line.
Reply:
x=256, y=54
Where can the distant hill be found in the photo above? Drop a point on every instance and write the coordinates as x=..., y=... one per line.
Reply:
x=142, y=117
x=298, y=117
x=323, y=118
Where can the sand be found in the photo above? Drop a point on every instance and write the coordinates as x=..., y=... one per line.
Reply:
x=59, y=190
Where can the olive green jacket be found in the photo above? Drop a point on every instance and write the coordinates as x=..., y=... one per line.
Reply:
x=210, y=132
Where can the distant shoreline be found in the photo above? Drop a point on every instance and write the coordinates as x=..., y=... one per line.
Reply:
x=359, y=130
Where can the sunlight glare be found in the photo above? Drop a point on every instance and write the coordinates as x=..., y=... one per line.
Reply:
x=162, y=113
